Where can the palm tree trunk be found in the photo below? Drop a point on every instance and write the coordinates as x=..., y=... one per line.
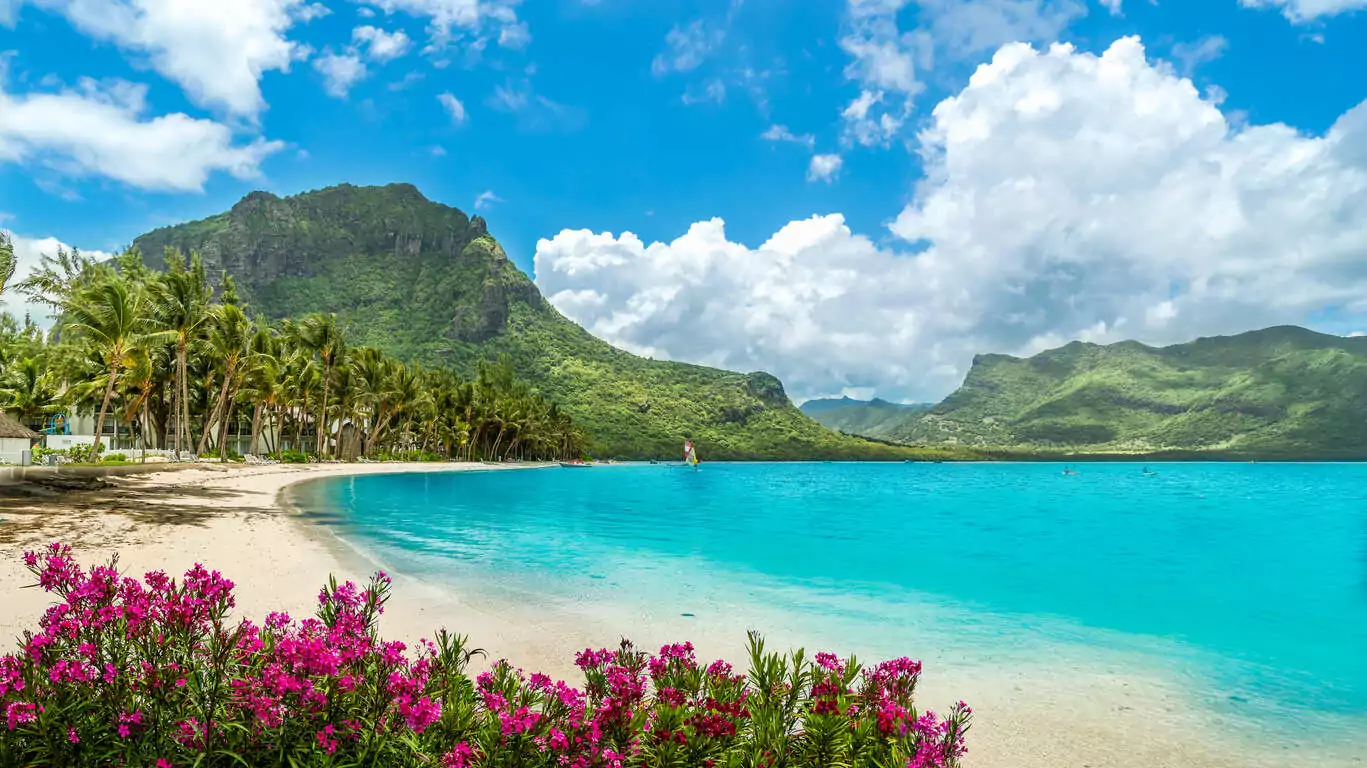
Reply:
x=229, y=410
x=104, y=407
x=209, y=416
x=323, y=412
x=381, y=420
x=178, y=395
x=146, y=425
x=256, y=427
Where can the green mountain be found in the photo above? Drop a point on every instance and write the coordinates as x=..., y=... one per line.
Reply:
x=1283, y=392
x=871, y=418
x=427, y=283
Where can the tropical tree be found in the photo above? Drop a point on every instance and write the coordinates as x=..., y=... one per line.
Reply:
x=7, y=260
x=322, y=334
x=179, y=304
x=110, y=316
x=29, y=390
x=230, y=338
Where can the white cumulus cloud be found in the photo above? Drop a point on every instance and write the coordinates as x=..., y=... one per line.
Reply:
x=101, y=129
x=340, y=71
x=887, y=61
x=687, y=47
x=1306, y=10
x=481, y=19
x=824, y=168
x=783, y=133
x=453, y=106
x=217, y=50
x=1067, y=196
x=381, y=45
x=28, y=254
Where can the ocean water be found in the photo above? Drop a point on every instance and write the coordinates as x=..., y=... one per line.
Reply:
x=1248, y=582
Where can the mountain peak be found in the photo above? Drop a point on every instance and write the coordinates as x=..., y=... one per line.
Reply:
x=427, y=283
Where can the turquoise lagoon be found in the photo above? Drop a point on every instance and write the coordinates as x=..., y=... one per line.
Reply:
x=1248, y=582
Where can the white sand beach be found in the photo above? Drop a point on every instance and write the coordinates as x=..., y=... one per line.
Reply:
x=234, y=519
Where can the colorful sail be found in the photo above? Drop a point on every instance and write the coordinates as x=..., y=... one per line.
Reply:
x=690, y=455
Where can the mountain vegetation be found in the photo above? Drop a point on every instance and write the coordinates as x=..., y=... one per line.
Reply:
x=176, y=365
x=430, y=285
x=870, y=418
x=1283, y=392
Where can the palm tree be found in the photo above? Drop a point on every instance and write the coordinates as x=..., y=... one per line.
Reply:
x=60, y=277
x=7, y=260
x=322, y=334
x=230, y=337
x=30, y=390
x=140, y=376
x=262, y=378
x=110, y=316
x=179, y=305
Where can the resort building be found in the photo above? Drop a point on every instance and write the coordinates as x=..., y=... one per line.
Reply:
x=15, y=439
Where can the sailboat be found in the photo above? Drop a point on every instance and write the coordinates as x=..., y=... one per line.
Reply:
x=690, y=454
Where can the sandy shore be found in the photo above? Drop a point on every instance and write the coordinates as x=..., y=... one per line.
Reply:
x=235, y=519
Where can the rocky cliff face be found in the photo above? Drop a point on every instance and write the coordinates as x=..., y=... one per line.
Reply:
x=427, y=283
x=284, y=252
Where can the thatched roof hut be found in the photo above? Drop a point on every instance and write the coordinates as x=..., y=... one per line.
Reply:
x=11, y=428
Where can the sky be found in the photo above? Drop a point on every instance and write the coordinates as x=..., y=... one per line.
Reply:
x=855, y=195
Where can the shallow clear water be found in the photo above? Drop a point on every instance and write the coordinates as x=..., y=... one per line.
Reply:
x=1248, y=580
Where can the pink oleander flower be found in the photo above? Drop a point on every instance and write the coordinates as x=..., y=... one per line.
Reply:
x=126, y=650
x=460, y=756
x=19, y=713
x=325, y=740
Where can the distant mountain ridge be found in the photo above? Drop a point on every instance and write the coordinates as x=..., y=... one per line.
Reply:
x=1282, y=392
x=870, y=418
x=427, y=283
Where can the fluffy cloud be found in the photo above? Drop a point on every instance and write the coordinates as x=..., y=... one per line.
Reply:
x=1305, y=10
x=100, y=129
x=28, y=254
x=486, y=200
x=1113, y=6
x=217, y=50
x=1066, y=196
x=340, y=71
x=379, y=44
x=711, y=92
x=1193, y=55
x=453, y=106
x=886, y=61
x=686, y=48
x=482, y=19
x=824, y=168
x=782, y=133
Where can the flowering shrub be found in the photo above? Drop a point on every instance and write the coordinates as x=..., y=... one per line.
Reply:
x=153, y=672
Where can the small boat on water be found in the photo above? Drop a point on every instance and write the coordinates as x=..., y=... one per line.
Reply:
x=575, y=464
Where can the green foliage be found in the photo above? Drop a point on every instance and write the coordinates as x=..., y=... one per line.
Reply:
x=85, y=453
x=292, y=457
x=110, y=458
x=157, y=672
x=1282, y=392
x=874, y=418
x=426, y=283
x=76, y=454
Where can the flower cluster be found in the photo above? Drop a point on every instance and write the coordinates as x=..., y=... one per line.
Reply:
x=155, y=672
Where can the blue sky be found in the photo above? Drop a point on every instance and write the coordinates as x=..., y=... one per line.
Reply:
x=655, y=117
